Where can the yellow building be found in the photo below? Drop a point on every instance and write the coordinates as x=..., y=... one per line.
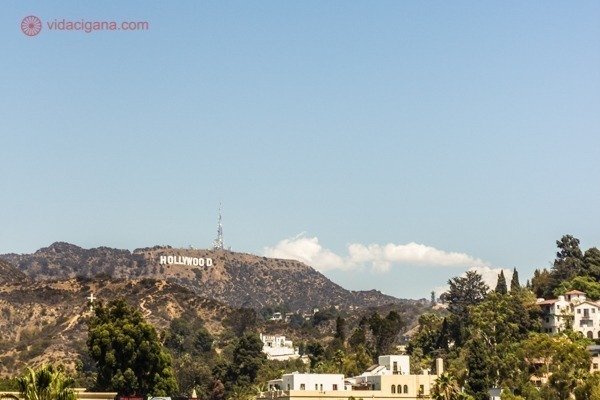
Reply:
x=390, y=379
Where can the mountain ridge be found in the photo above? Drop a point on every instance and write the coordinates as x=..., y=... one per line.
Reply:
x=235, y=279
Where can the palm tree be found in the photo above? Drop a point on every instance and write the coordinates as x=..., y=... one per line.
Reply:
x=46, y=383
x=446, y=388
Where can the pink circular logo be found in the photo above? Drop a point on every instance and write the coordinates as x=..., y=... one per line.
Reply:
x=31, y=25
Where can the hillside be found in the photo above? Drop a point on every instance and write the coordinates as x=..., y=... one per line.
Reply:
x=45, y=321
x=236, y=279
x=10, y=274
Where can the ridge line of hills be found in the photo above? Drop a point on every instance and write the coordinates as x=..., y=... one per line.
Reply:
x=235, y=279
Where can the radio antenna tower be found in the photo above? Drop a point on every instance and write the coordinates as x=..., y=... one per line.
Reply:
x=218, y=242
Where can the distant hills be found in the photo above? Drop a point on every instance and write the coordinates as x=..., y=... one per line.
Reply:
x=44, y=306
x=235, y=279
x=44, y=322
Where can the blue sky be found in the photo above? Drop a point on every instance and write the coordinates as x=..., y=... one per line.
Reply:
x=465, y=127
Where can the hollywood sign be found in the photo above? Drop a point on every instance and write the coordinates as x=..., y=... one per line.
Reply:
x=183, y=260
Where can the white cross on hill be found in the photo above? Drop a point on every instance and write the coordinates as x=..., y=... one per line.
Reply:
x=91, y=299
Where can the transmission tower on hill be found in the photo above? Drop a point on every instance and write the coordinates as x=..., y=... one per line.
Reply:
x=218, y=242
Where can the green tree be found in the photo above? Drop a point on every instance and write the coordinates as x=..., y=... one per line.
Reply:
x=46, y=383
x=591, y=260
x=541, y=283
x=478, y=366
x=248, y=358
x=501, y=285
x=241, y=321
x=128, y=354
x=514, y=281
x=563, y=358
x=428, y=333
x=586, y=284
x=385, y=330
x=465, y=291
x=340, y=329
x=568, y=262
x=500, y=322
x=446, y=387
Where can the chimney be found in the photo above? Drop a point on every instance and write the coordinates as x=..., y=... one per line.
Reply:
x=439, y=366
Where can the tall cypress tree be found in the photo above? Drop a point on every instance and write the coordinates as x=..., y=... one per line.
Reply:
x=478, y=382
x=501, y=285
x=514, y=282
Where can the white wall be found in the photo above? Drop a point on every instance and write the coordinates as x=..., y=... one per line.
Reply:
x=320, y=382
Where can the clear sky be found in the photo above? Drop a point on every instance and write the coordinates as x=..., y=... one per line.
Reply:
x=391, y=144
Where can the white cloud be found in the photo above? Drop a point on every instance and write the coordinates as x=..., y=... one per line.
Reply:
x=307, y=250
x=380, y=258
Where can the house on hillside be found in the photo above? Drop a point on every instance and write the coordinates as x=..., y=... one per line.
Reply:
x=574, y=310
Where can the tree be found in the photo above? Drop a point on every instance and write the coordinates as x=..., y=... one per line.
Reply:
x=248, y=358
x=514, y=281
x=432, y=298
x=568, y=262
x=340, y=329
x=541, y=283
x=217, y=390
x=241, y=320
x=128, y=354
x=46, y=383
x=501, y=285
x=385, y=330
x=586, y=284
x=446, y=387
x=561, y=357
x=465, y=291
x=591, y=260
x=478, y=367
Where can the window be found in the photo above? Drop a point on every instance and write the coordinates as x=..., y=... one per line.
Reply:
x=399, y=389
x=288, y=386
x=579, y=311
x=302, y=386
x=595, y=366
x=321, y=387
x=316, y=387
x=395, y=367
x=393, y=389
x=335, y=387
x=421, y=389
x=405, y=389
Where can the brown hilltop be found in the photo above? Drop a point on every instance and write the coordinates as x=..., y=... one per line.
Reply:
x=236, y=279
x=45, y=322
x=10, y=274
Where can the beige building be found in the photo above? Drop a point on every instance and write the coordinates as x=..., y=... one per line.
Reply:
x=390, y=379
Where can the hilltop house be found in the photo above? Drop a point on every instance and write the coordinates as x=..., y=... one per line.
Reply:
x=278, y=348
x=572, y=309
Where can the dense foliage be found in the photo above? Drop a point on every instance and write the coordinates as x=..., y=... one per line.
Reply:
x=45, y=383
x=128, y=354
x=492, y=338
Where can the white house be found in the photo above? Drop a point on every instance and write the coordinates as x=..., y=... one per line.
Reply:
x=573, y=308
x=278, y=348
x=586, y=319
x=389, y=379
x=311, y=382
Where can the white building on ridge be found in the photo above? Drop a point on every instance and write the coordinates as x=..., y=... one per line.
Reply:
x=572, y=308
x=278, y=348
